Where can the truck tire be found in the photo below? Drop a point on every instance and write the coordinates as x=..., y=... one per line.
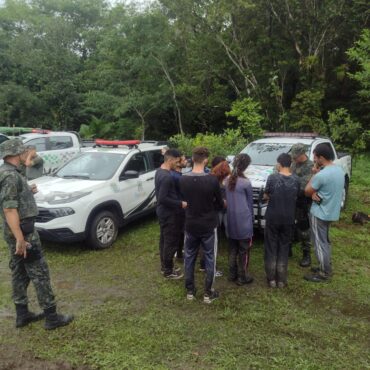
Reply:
x=103, y=230
x=345, y=193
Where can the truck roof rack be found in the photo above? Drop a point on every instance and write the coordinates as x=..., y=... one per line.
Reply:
x=312, y=135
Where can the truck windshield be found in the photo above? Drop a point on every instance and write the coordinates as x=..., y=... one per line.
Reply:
x=92, y=166
x=265, y=154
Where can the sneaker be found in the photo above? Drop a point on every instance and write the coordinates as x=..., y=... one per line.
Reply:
x=272, y=283
x=315, y=269
x=219, y=274
x=281, y=284
x=190, y=296
x=210, y=297
x=232, y=278
x=247, y=280
x=174, y=275
x=202, y=269
x=316, y=278
x=176, y=269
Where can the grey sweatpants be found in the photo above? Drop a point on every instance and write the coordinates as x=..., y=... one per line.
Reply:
x=321, y=242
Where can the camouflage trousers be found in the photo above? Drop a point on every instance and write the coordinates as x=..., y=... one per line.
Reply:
x=26, y=270
x=302, y=229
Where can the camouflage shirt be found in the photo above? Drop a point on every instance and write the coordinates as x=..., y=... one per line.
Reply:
x=15, y=192
x=303, y=172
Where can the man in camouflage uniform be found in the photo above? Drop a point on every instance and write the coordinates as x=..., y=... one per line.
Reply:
x=27, y=263
x=302, y=168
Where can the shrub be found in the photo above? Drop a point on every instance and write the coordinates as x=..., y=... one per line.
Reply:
x=248, y=114
x=347, y=134
x=231, y=141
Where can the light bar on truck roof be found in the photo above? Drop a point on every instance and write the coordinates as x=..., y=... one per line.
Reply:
x=115, y=143
x=40, y=131
x=291, y=134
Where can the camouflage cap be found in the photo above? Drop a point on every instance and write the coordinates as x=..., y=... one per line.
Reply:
x=11, y=147
x=297, y=150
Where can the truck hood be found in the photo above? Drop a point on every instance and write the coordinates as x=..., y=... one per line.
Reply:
x=55, y=190
x=258, y=174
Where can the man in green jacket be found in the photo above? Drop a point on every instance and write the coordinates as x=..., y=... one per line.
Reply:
x=302, y=168
x=27, y=263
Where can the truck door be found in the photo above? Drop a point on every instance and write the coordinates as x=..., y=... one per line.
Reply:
x=134, y=191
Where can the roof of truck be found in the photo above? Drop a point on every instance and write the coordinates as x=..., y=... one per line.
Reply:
x=288, y=140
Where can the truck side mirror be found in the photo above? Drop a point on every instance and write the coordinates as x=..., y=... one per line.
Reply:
x=129, y=175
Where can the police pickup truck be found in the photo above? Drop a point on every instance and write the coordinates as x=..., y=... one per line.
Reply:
x=264, y=152
x=98, y=191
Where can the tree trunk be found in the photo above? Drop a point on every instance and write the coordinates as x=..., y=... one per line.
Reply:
x=174, y=96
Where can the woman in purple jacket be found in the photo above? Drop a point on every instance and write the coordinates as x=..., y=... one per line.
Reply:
x=239, y=198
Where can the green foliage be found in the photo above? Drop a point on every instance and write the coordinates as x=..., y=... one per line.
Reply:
x=248, y=114
x=347, y=134
x=360, y=54
x=177, y=66
x=121, y=129
x=305, y=114
x=230, y=142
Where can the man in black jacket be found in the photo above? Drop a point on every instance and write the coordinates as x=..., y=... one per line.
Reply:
x=168, y=207
x=203, y=194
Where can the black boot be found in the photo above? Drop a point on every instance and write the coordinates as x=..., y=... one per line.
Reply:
x=54, y=320
x=306, y=260
x=25, y=317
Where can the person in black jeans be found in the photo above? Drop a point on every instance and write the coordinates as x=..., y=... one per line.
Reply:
x=203, y=194
x=281, y=190
x=168, y=208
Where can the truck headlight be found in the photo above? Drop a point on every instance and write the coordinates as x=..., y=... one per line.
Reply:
x=61, y=198
x=61, y=212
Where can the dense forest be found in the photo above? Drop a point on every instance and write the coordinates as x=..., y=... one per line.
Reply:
x=115, y=70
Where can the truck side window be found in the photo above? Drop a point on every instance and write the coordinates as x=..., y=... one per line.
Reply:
x=156, y=158
x=329, y=144
x=39, y=143
x=138, y=163
x=60, y=142
x=3, y=138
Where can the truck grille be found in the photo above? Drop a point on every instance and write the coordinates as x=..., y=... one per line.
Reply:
x=44, y=215
x=257, y=195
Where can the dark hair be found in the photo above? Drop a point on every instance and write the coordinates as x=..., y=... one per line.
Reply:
x=200, y=154
x=324, y=150
x=216, y=160
x=240, y=164
x=284, y=159
x=171, y=153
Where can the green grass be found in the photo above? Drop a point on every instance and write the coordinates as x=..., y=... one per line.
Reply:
x=128, y=317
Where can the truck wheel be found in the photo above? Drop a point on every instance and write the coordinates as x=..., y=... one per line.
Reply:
x=345, y=194
x=103, y=230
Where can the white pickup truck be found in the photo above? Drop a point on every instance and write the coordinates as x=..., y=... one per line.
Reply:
x=56, y=148
x=264, y=153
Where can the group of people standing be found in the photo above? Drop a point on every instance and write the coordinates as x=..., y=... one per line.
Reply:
x=192, y=203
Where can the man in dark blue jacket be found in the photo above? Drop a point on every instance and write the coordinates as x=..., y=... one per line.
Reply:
x=168, y=208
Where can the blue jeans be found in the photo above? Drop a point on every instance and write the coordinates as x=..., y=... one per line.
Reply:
x=208, y=242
